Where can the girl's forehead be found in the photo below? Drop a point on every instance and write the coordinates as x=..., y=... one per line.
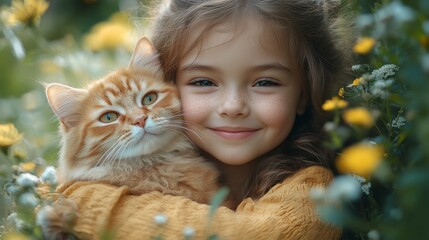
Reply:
x=262, y=33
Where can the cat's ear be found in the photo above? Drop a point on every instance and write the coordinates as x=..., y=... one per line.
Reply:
x=144, y=55
x=64, y=102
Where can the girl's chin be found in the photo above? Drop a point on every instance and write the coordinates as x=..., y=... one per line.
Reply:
x=233, y=160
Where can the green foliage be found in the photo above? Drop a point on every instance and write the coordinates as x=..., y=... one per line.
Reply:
x=396, y=205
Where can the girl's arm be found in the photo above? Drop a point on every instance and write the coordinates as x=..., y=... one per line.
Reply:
x=285, y=212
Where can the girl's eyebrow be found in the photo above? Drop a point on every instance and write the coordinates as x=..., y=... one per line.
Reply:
x=197, y=67
x=262, y=67
x=271, y=66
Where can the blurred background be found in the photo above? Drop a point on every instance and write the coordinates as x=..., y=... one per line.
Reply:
x=379, y=127
x=69, y=42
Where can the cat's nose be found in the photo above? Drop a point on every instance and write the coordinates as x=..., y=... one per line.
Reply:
x=140, y=121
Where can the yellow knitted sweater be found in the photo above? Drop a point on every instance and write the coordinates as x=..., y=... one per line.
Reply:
x=285, y=212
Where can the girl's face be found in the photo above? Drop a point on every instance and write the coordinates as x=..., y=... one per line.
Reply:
x=240, y=92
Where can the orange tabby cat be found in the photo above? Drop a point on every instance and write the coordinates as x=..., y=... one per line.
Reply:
x=126, y=129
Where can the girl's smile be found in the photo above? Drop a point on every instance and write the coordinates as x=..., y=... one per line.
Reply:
x=234, y=133
x=240, y=91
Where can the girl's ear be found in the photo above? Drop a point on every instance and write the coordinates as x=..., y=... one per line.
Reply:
x=64, y=102
x=144, y=55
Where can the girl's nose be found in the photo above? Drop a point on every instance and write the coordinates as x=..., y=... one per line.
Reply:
x=234, y=104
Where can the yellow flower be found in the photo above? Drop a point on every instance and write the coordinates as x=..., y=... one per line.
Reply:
x=341, y=92
x=28, y=166
x=49, y=67
x=9, y=135
x=15, y=236
x=111, y=34
x=26, y=11
x=360, y=159
x=356, y=82
x=358, y=116
x=19, y=153
x=364, y=45
x=424, y=41
x=334, y=103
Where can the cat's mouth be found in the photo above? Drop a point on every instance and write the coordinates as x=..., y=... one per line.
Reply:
x=152, y=131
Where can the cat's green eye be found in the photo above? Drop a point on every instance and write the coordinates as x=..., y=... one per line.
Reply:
x=149, y=98
x=109, y=117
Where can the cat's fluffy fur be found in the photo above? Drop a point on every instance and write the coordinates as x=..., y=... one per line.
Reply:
x=126, y=129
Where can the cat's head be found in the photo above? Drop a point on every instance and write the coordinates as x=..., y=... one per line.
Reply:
x=129, y=113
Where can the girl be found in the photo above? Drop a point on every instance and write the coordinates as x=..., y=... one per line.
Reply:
x=252, y=76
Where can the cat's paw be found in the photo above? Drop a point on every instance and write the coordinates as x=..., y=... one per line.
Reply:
x=57, y=220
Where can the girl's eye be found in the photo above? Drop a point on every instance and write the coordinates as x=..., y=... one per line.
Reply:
x=109, y=117
x=266, y=82
x=149, y=98
x=202, y=82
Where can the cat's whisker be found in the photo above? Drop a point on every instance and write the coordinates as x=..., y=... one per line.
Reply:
x=114, y=160
x=181, y=113
x=99, y=146
x=187, y=130
x=119, y=151
x=193, y=110
x=195, y=131
x=183, y=134
x=105, y=159
x=176, y=115
x=182, y=124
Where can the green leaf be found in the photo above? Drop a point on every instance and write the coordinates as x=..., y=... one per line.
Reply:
x=217, y=200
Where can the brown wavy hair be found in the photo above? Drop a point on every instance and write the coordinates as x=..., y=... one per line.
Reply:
x=319, y=38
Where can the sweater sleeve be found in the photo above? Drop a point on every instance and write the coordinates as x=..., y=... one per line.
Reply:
x=285, y=212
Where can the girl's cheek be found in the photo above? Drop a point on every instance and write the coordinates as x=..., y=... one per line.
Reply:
x=277, y=111
x=195, y=107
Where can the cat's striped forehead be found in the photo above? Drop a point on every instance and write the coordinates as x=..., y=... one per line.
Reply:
x=130, y=83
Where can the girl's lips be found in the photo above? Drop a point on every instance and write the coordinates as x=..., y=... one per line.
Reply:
x=234, y=134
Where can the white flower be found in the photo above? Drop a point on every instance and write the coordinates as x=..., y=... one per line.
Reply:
x=329, y=126
x=363, y=182
x=342, y=188
x=318, y=194
x=390, y=18
x=15, y=221
x=365, y=187
x=384, y=72
x=373, y=235
x=396, y=213
x=426, y=27
x=365, y=21
x=160, y=219
x=380, y=93
x=13, y=189
x=356, y=67
x=425, y=62
x=42, y=216
x=49, y=176
x=380, y=88
x=27, y=180
x=398, y=122
x=396, y=12
x=28, y=199
x=359, y=178
x=188, y=232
